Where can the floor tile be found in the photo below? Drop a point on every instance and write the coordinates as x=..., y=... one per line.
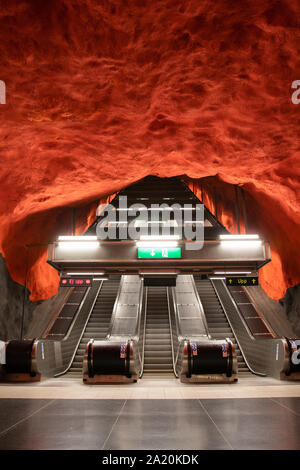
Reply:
x=65, y=424
x=13, y=411
x=164, y=424
x=255, y=423
x=292, y=403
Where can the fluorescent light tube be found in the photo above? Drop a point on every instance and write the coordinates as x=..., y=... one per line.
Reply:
x=240, y=243
x=240, y=237
x=232, y=272
x=85, y=274
x=158, y=273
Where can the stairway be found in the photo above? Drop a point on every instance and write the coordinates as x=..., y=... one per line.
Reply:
x=158, y=346
x=98, y=324
x=218, y=325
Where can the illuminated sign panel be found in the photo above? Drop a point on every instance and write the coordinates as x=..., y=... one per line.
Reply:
x=242, y=281
x=159, y=253
x=75, y=282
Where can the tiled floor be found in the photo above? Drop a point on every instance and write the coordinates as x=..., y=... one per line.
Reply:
x=247, y=423
x=255, y=413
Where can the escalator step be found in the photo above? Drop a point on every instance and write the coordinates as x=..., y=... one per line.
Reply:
x=157, y=349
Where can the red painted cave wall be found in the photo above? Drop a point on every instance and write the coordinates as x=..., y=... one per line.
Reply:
x=265, y=216
x=100, y=94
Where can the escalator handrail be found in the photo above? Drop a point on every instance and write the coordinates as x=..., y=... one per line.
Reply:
x=171, y=333
x=175, y=307
x=178, y=331
x=82, y=333
x=144, y=334
x=138, y=323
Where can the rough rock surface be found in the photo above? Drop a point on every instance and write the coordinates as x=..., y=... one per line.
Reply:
x=12, y=297
x=263, y=216
x=100, y=94
x=291, y=304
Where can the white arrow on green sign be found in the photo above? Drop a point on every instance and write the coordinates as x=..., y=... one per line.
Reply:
x=159, y=253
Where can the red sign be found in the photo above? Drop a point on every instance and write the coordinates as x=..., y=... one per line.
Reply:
x=75, y=282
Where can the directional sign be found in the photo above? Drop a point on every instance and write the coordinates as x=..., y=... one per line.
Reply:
x=75, y=282
x=242, y=281
x=159, y=253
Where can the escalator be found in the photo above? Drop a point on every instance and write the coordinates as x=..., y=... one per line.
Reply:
x=218, y=325
x=97, y=325
x=158, y=343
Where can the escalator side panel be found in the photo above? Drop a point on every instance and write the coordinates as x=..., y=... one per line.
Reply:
x=191, y=317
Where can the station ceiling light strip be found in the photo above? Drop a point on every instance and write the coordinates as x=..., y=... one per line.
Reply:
x=158, y=273
x=232, y=272
x=240, y=237
x=240, y=241
x=85, y=274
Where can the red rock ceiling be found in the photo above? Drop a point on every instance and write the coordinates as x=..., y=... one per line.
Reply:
x=100, y=94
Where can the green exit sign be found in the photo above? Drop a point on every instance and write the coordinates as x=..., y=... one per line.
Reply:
x=159, y=253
